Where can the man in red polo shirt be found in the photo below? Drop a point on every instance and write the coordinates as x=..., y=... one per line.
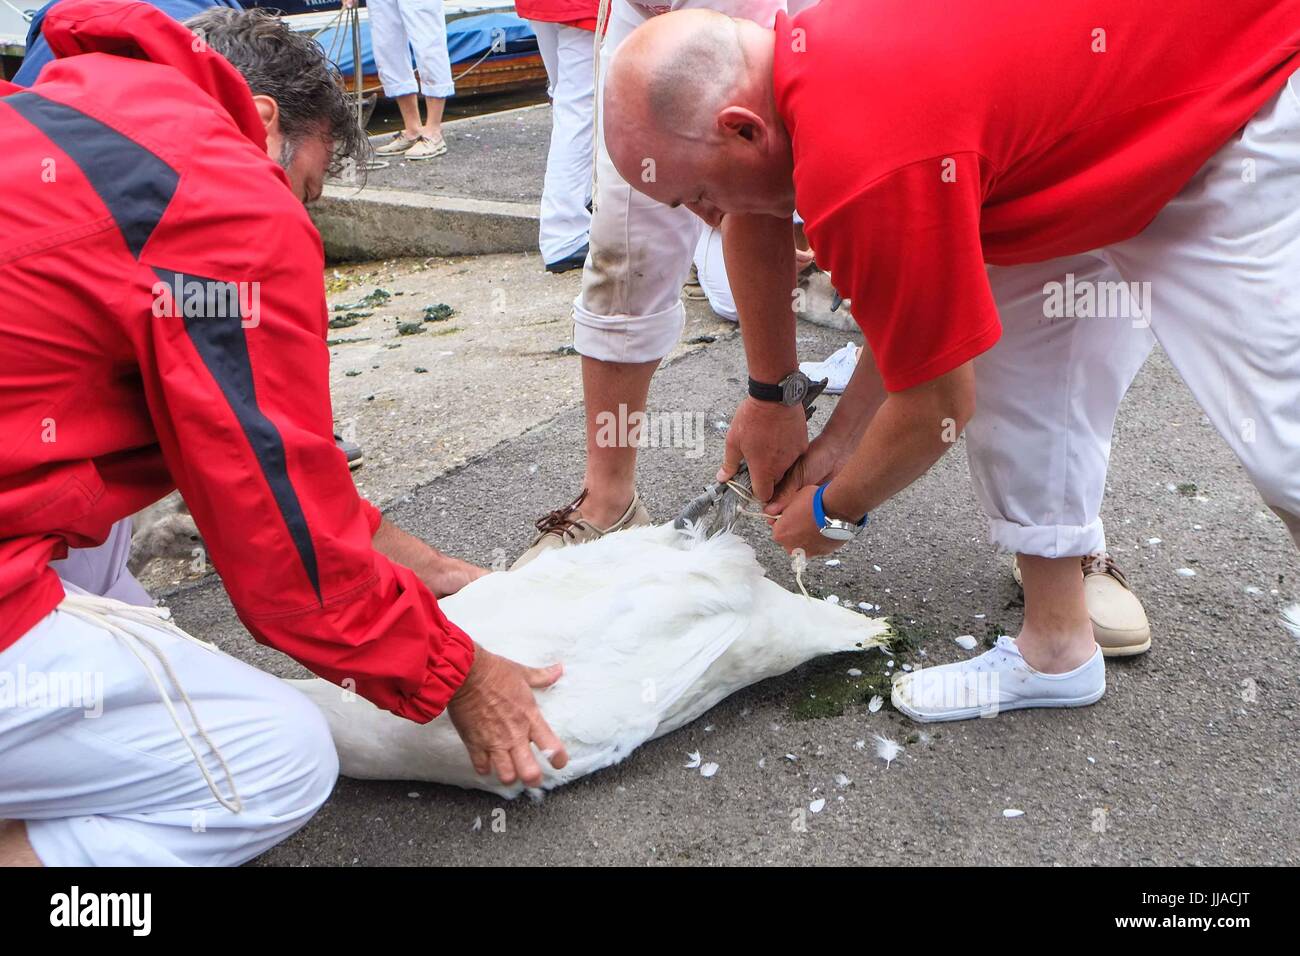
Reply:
x=1019, y=202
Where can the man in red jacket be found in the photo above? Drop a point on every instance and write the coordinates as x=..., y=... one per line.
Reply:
x=165, y=329
x=1019, y=200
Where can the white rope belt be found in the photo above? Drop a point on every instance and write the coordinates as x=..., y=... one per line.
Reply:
x=125, y=621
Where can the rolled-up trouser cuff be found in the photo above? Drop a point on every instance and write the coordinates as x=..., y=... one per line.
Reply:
x=1047, y=541
x=627, y=338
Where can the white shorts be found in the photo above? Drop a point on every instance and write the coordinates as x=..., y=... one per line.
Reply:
x=91, y=759
x=399, y=26
x=1219, y=269
x=630, y=307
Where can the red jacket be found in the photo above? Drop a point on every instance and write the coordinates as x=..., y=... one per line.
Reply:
x=577, y=13
x=134, y=160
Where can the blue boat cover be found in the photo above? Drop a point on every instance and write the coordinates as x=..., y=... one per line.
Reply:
x=467, y=39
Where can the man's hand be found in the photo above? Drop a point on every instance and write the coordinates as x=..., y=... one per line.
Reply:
x=769, y=437
x=825, y=456
x=497, y=718
x=797, y=528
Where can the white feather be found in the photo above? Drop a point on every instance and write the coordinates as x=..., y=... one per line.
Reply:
x=887, y=750
x=1291, y=620
x=654, y=627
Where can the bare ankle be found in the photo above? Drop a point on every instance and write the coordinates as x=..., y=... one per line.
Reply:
x=603, y=508
x=1057, y=651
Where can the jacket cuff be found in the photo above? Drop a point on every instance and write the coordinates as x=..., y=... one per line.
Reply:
x=374, y=517
x=450, y=659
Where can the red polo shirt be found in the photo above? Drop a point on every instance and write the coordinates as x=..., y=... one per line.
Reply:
x=932, y=138
x=582, y=14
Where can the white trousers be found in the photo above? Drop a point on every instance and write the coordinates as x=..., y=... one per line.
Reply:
x=90, y=757
x=712, y=272
x=569, y=55
x=630, y=307
x=1219, y=273
x=399, y=26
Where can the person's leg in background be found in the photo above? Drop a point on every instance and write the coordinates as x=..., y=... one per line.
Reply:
x=1039, y=445
x=568, y=53
x=712, y=272
x=99, y=774
x=425, y=23
x=396, y=74
x=1222, y=266
x=392, y=49
x=627, y=318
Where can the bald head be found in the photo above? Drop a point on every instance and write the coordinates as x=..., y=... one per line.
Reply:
x=689, y=112
x=676, y=72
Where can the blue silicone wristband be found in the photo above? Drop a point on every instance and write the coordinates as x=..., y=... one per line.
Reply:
x=819, y=510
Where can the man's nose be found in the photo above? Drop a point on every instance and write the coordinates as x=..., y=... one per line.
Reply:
x=706, y=211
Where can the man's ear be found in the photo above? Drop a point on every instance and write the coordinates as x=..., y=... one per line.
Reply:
x=738, y=121
x=269, y=110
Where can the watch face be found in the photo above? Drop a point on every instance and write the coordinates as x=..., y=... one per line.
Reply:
x=794, y=388
x=837, y=534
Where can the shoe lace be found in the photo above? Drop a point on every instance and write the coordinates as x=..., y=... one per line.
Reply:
x=561, y=520
x=1103, y=563
x=994, y=656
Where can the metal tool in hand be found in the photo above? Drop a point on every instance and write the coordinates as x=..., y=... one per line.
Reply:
x=722, y=493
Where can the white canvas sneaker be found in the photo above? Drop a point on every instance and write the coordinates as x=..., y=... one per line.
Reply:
x=838, y=369
x=997, y=680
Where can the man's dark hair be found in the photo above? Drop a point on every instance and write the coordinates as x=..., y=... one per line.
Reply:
x=293, y=70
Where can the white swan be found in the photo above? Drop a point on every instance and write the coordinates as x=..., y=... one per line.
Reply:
x=653, y=625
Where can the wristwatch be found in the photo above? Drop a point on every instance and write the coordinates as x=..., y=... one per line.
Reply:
x=789, y=391
x=834, y=528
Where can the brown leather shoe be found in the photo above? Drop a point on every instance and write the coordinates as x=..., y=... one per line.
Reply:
x=1119, y=622
x=566, y=526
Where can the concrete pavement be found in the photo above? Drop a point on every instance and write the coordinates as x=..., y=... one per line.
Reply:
x=481, y=197
x=1190, y=758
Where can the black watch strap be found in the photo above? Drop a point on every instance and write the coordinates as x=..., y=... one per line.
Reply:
x=765, y=392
